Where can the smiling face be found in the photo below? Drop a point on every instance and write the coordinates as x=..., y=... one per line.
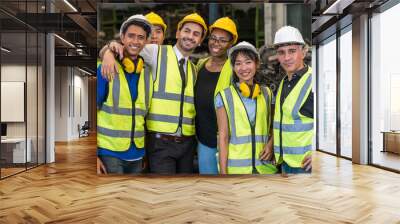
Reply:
x=134, y=40
x=245, y=68
x=189, y=37
x=291, y=57
x=219, y=42
x=157, y=35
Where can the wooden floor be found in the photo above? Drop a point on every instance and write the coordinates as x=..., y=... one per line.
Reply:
x=69, y=191
x=387, y=159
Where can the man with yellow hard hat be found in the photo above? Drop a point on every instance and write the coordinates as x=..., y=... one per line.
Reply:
x=170, y=117
x=214, y=74
x=158, y=29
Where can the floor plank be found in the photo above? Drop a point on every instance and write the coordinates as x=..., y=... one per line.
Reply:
x=69, y=191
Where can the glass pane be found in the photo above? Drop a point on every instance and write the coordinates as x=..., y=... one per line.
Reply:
x=41, y=99
x=327, y=96
x=31, y=98
x=13, y=86
x=346, y=94
x=385, y=86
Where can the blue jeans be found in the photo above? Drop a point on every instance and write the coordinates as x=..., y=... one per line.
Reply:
x=117, y=166
x=207, y=159
x=293, y=170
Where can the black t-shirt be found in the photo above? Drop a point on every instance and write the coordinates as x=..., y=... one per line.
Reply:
x=308, y=107
x=206, y=119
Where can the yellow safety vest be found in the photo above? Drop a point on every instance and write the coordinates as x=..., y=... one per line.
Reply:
x=245, y=140
x=293, y=132
x=225, y=77
x=168, y=107
x=116, y=128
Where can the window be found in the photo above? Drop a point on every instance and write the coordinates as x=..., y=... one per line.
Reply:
x=346, y=74
x=385, y=89
x=327, y=95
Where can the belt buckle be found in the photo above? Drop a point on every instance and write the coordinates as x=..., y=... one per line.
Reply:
x=157, y=135
x=178, y=139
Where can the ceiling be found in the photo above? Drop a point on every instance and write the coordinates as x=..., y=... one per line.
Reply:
x=23, y=23
x=330, y=15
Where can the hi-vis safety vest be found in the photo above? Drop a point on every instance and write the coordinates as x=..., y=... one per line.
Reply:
x=172, y=102
x=246, y=141
x=119, y=120
x=293, y=132
x=225, y=77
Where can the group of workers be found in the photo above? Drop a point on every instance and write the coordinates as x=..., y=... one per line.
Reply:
x=155, y=103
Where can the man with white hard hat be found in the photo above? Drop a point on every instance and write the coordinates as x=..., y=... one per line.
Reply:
x=294, y=110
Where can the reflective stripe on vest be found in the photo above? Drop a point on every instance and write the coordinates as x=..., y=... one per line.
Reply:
x=296, y=129
x=164, y=111
x=246, y=162
x=240, y=156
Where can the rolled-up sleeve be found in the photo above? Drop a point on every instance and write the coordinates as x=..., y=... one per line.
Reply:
x=150, y=55
x=218, y=101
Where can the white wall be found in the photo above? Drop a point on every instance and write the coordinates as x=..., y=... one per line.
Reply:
x=33, y=126
x=71, y=101
x=13, y=73
x=61, y=103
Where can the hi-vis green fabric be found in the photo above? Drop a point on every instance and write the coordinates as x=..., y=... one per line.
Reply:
x=295, y=130
x=225, y=77
x=119, y=120
x=166, y=97
x=245, y=140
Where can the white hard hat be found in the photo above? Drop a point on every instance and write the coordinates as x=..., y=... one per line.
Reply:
x=141, y=20
x=287, y=35
x=242, y=46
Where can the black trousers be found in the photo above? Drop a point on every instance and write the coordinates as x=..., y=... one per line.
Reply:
x=170, y=157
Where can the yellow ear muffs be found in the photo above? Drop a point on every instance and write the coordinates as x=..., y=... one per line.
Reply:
x=249, y=91
x=256, y=91
x=129, y=65
x=244, y=89
x=139, y=65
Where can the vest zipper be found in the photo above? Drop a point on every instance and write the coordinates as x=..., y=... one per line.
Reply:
x=133, y=123
x=280, y=132
x=181, y=109
x=253, y=145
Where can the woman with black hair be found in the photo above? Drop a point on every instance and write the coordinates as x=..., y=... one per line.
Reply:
x=244, y=117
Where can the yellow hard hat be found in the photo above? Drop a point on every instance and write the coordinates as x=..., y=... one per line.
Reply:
x=195, y=18
x=155, y=19
x=225, y=23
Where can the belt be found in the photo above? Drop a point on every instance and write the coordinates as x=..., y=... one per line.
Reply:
x=177, y=139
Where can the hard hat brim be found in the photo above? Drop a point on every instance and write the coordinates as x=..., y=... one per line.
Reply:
x=278, y=45
x=234, y=36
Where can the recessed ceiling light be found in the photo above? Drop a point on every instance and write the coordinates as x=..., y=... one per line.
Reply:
x=84, y=71
x=65, y=41
x=5, y=50
x=70, y=5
